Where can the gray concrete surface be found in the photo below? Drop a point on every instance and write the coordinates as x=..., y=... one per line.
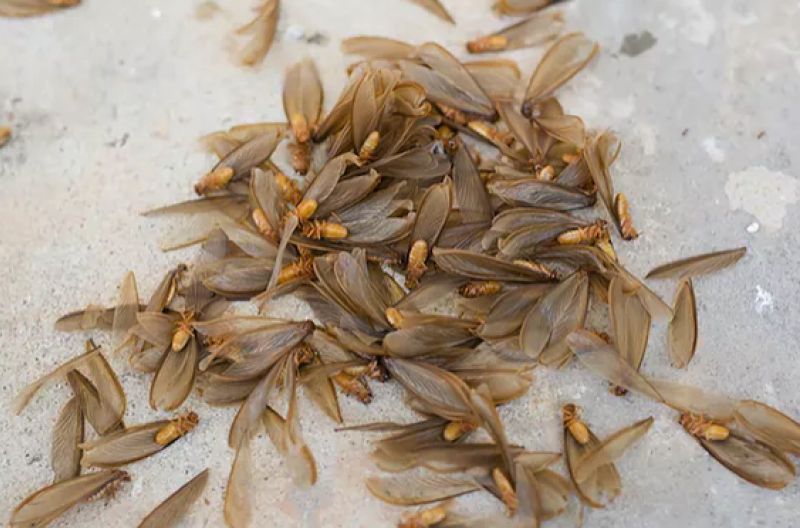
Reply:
x=106, y=102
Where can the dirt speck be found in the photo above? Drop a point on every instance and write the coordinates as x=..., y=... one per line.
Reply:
x=637, y=43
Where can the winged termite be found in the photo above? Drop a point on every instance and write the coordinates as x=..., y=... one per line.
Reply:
x=601, y=358
x=683, y=326
x=447, y=82
x=65, y=455
x=433, y=209
x=751, y=460
x=560, y=63
x=29, y=8
x=410, y=489
x=49, y=503
x=536, y=30
x=573, y=423
x=769, y=425
x=555, y=315
x=697, y=265
x=137, y=442
x=302, y=99
x=537, y=193
x=174, y=507
x=239, y=162
x=262, y=28
x=485, y=267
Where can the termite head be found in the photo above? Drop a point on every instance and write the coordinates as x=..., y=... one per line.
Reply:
x=300, y=128
x=183, y=332
x=489, y=43
x=369, y=146
x=571, y=418
x=215, y=180
x=177, y=428
x=456, y=429
x=306, y=209
x=479, y=288
x=703, y=427
x=507, y=493
x=317, y=229
x=622, y=210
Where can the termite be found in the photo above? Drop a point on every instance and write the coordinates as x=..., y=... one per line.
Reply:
x=453, y=114
x=425, y=518
x=318, y=229
x=479, y=288
x=262, y=224
x=702, y=427
x=354, y=386
x=183, y=332
x=484, y=129
x=507, y=493
x=456, y=429
x=571, y=419
x=583, y=235
x=176, y=428
x=289, y=190
x=303, y=267
x=489, y=43
x=215, y=180
x=369, y=146
x=624, y=216
x=417, y=256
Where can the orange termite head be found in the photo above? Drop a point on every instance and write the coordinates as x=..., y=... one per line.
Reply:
x=488, y=43
x=571, y=418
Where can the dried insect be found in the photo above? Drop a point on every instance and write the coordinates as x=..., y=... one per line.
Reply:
x=354, y=386
x=622, y=211
x=573, y=423
x=480, y=288
x=456, y=430
x=531, y=32
x=176, y=428
x=584, y=235
x=426, y=518
x=702, y=427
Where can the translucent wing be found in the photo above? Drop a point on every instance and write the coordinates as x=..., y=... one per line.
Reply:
x=174, y=507
x=697, y=265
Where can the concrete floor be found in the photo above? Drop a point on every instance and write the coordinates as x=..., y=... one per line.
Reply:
x=107, y=101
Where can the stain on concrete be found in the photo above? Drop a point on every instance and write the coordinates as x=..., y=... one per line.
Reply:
x=637, y=43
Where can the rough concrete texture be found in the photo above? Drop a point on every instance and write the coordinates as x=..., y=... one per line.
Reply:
x=107, y=100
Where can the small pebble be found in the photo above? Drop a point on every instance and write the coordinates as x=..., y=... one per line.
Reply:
x=753, y=228
x=295, y=32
